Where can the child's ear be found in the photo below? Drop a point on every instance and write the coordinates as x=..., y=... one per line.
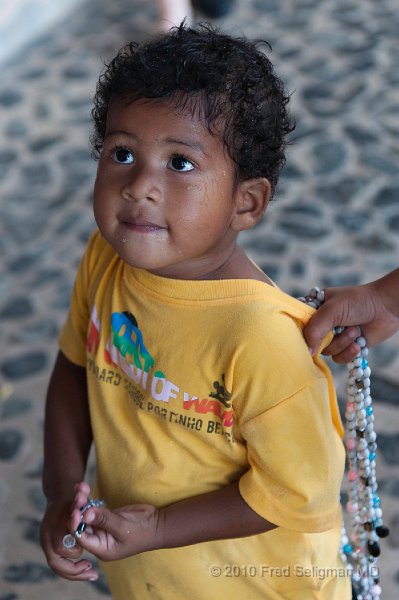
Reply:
x=252, y=197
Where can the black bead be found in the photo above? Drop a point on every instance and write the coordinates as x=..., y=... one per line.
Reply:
x=376, y=579
x=382, y=531
x=80, y=529
x=374, y=548
x=369, y=526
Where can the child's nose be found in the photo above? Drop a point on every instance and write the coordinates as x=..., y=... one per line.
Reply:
x=142, y=184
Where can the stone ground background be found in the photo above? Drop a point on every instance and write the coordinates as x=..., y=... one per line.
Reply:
x=335, y=219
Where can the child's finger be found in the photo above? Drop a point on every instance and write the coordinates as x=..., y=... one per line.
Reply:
x=75, y=571
x=106, y=520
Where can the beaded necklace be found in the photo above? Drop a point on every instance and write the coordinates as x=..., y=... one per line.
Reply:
x=359, y=548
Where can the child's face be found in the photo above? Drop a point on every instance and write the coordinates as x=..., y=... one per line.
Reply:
x=164, y=196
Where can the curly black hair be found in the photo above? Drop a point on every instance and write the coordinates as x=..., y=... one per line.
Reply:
x=227, y=82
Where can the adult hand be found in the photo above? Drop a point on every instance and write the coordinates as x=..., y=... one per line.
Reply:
x=368, y=306
x=63, y=562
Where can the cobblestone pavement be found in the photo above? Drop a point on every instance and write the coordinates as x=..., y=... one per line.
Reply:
x=335, y=219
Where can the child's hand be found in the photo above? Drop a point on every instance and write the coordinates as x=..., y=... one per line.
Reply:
x=116, y=534
x=64, y=562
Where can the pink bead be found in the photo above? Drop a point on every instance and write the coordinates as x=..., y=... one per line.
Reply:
x=351, y=508
x=351, y=444
x=353, y=475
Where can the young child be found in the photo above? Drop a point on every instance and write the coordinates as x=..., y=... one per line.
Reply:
x=217, y=435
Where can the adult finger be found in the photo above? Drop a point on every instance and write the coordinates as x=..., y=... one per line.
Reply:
x=346, y=355
x=317, y=328
x=343, y=341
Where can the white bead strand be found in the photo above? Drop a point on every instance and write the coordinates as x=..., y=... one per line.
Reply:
x=360, y=549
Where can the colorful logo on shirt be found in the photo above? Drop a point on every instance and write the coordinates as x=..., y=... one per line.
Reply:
x=125, y=349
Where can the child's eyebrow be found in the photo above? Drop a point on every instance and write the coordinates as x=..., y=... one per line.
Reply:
x=189, y=143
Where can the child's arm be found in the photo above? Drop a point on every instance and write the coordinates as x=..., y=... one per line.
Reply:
x=218, y=515
x=68, y=438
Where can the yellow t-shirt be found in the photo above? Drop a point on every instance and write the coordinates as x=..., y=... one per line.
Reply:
x=194, y=385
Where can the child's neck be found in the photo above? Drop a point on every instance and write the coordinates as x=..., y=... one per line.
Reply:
x=238, y=266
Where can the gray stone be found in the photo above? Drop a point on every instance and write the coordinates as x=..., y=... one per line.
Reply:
x=39, y=330
x=384, y=390
x=37, y=174
x=304, y=210
x=271, y=270
x=360, y=135
x=47, y=275
x=10, y=98
x=37, y=499
x=62, y=297
x=291, y=172
x=334, y=259
x=16, y=129
x=34, y=74
x=362, y=62
x=75, y=157
x=298, y=268
x=266, y=5
x=376, y=242
x=26, y=364
x=393, y=538
x=24, y=262
x=16, y=308
x=308, y=229
x=7, y=157
x=393, y=223
x=351, y=220
x=382, y=356
x=31, y=529
x=337, y=279
x=75, y=72
x=342, y=191
x=388, y=446
x=42, y=111
x=10, y=443
x=14, y=407
x=43, y=143
x=329, y=156
x=70, y=221
x=28, y=572
x=387, y=196
x=389, y=487
x=380, y=163
x=35, y=473
x=321, y=100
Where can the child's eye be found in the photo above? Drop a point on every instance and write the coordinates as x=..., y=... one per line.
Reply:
x=123, y=156
x=181, y=163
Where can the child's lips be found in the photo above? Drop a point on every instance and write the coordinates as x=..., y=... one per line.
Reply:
x=142, y=226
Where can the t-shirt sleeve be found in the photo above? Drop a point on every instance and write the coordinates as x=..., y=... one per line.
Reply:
x=296, y=462
x=72, y=339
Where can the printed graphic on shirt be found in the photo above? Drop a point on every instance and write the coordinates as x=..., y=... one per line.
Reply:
x=131, y=364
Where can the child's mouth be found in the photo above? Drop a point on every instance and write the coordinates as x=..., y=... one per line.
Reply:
x=142, y=226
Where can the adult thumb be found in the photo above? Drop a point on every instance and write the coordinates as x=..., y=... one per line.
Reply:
x=318, y=326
